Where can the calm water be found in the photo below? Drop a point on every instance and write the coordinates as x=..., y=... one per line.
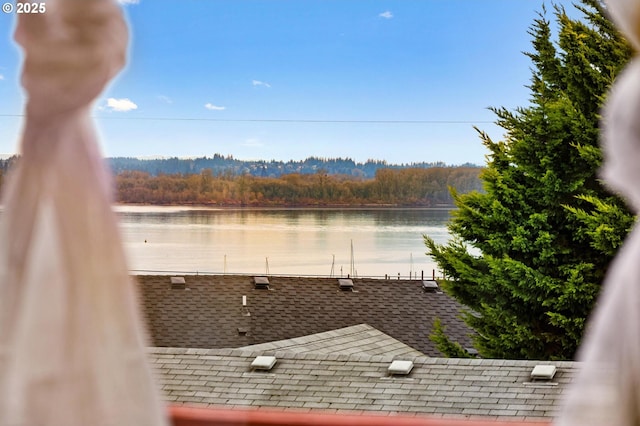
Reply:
x=297, y=242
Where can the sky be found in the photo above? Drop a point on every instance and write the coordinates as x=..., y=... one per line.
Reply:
x=402, y=81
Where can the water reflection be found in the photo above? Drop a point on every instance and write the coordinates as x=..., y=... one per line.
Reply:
x=295, y=241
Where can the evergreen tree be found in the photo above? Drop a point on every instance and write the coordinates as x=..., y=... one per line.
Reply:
x=529, y=253
x=444, y=344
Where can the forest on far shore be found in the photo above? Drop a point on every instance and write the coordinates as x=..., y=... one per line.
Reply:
x=219, y=163
x=409, y=187
x=315, y=182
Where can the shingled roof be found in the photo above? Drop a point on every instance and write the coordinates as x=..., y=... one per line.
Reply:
x=333, y=350
x=208, y=312
x=359, y=339
x=497, y=389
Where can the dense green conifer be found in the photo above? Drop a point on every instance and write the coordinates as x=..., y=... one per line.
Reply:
x=529, y=253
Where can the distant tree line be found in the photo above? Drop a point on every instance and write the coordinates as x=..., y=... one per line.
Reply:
x=311, y=182
x=402, y=187
x=221, y=164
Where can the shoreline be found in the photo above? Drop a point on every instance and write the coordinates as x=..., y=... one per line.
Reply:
x=147, y=274
x=292, y=207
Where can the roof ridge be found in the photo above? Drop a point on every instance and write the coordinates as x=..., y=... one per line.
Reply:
x=247, y=353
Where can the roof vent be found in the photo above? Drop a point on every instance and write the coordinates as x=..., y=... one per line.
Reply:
x=345, y=284
x=430, y=286
x=245, y=310
x=178, y=283
x=473, y=352
x=261, y=283
x=401, y=368
x=263, y=362
x=543, y=372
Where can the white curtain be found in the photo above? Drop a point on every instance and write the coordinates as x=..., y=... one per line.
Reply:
x=607, y=390
x=72, y=349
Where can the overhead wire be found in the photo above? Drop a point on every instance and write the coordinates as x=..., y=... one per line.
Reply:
x=287, y=120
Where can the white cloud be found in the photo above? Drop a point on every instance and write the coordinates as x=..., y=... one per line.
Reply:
x=386, y=14
x=213, y=107
x=260, y=83
x=128, y=1
x=165, y=99
x=121, y=105
x=1, y=77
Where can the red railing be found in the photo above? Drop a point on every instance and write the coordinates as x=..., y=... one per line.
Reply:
x=190, y=416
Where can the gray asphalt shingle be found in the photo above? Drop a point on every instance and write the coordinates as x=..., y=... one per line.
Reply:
x=333, y=349
x=357, y=339
x=337, y=382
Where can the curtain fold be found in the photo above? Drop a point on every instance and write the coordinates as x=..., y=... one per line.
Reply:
x=72, y=345
x=607, y=389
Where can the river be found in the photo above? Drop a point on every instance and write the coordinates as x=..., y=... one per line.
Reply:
x=281, y=241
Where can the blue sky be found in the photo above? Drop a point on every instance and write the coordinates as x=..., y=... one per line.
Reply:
x=289, y=79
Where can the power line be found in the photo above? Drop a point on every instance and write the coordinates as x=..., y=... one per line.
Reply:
x=276, y=120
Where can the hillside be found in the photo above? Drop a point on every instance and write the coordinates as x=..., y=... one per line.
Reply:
x=220, y=164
